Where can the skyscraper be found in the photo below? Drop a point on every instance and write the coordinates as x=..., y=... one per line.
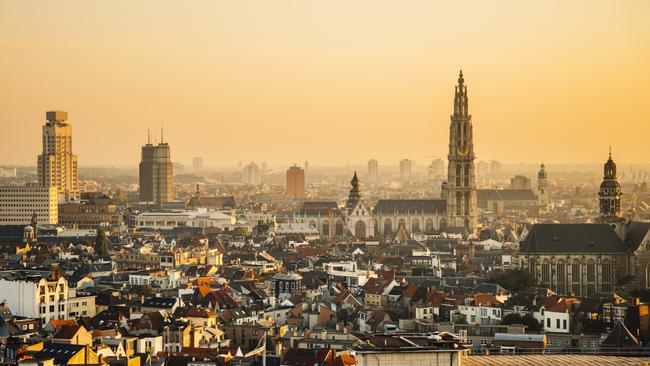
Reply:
x=197, y=163
x=405, y=169
x=251, y=175
x=461, y=200
x=57, y=165
x=373, y=167
x=295, y=182
x=156, y=173
x=437, y=168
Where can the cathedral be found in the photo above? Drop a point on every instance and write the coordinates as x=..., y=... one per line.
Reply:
x=585, y=259
x=455, y=210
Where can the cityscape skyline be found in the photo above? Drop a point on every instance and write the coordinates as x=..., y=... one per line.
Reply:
x=582, y=78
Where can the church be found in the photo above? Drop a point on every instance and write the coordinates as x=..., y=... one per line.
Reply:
x=454, y=211
x=584, y=259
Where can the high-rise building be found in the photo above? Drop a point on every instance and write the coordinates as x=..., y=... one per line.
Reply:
x=296, y=182
x=156, y=173
x=197, y=163
x=405, y=166
x=373, y=169
x=251, y=175
x=57, y=165
x=437, y=168
x=461, y=200
x=18, y=204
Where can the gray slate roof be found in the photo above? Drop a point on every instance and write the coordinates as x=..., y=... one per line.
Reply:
x=400, y=207
x=572, y=238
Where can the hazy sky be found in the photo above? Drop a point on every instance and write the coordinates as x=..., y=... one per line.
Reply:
x=327, y=81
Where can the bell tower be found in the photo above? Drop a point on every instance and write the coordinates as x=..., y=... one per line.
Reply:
x=461, y=176
x=609, y=195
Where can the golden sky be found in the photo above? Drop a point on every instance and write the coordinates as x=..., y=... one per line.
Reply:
x=331, y=82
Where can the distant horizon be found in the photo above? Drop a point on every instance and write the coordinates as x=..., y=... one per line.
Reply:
x=275, y=80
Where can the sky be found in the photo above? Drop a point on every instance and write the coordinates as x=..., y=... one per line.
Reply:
x=331, y=82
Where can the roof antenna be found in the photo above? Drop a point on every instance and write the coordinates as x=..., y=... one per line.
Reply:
x=148, y=136
x=161, y=136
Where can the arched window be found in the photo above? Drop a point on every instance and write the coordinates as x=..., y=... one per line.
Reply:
x=339, y=228
x=466, y=175
x=429, y=225
x=546, y=273
x=458, y=171
x=467, y=203
x=607, y=275
x=415, y=225
x=576, y=277
x=388, y=227
x=443, y=224
x=326, y=229
x=591, y=277
x=375, y=228
x=360, y=229
x=459, y=203
x=560, y=275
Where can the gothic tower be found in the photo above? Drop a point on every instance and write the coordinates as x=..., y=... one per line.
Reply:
x=461, y=177
x=542, y=184
x=355, y=193
x=610, y=193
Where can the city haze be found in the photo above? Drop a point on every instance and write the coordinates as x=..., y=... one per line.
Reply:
x=330, y=83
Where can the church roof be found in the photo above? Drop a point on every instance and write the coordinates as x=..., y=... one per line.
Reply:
x=319, y=208
x=214, y=202
x=405, y=206
x=572, y=238
x=635, y=233
x=505, y=195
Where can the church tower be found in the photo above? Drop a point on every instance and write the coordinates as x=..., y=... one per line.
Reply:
x=461, y=177
x=542, y=185
x=610, y=193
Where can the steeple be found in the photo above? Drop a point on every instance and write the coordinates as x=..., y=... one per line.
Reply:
x=355, y=193
x=610, y=191
x=460, y=98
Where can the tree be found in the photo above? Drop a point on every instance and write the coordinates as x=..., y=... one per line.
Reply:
x=240, y=231
x=143, y=290
x=101, y=243
x=512, y=318
x=532, y=323
x=516, y=280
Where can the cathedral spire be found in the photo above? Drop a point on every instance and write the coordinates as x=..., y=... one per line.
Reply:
x=355, y=193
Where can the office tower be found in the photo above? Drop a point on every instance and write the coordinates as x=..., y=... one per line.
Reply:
x=251, y=175
x=295, y=182
x=438, y=168
x=405, y=169
x=373, y=167
x=18, y=204
x=57, y=165
x=461, y=179
x=156, y=173
x=197, y=163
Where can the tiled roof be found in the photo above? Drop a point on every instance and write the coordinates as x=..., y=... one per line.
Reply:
x=572, y=238
x=405, y=206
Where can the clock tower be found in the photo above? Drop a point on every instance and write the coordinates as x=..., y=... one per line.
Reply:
x=461, y=178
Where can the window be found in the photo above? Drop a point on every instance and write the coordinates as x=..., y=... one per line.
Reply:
x=557, y=323
x=564, y=323
x=548, y=322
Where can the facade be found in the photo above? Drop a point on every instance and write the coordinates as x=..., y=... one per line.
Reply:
x=18, y=205
x=156, y=173
x=373, y=170
x=296, y=182
x=197, y=163
x=437, y=169
x=95, y=210
x=461, y=176
x=584, y=259
x=457, y=208
x=287, y=284
x=44, y=299
x=57, y=164
x=503, y=201
x=205, y=218
x=405, y=166
x=251, y=175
